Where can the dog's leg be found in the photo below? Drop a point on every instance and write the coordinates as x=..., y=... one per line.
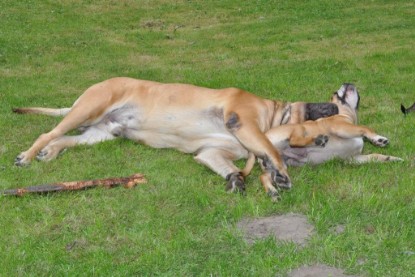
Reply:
x=266, y=177
x=246, y=130
x=88, y=107
x=26, y=157
x=294, y=135
x=220, y=161
x=249, y=165
x=360, y=159
x=266, y=180
x=352, y=131
x=91, y=136
x=299, y=138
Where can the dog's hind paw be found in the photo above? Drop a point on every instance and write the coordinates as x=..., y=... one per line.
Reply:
x=49, y=153
x=380, y=141
x=393, y=159
x=321, y=140
x=21, y=160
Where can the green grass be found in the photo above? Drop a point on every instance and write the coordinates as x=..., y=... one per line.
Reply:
x=182, y=223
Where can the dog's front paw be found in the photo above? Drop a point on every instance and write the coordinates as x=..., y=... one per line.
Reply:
x=280, y=180
x=22, y=160
x=380, y=141
x=235, y=183
x=275, y=195
x=275, y=177
x=321, y=140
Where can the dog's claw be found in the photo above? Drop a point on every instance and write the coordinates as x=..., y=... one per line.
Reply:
x=41, y=155
x=20, y=161
x=235, y=183
x=280, y=181
x=275, y=196
x=17, y=162
x=321, y=140
x=383, y=141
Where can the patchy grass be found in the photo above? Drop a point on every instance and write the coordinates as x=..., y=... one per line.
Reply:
x=182, y=222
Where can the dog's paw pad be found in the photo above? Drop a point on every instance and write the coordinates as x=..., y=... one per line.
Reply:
x=380, y=141
x=383, y=141
x=321, y=140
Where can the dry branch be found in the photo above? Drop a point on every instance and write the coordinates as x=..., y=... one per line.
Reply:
x=127, y=182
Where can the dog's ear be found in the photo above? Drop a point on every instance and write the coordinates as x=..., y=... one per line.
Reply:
x=345, y=90
x=341, y=92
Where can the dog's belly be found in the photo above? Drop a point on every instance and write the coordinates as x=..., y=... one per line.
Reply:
x=335, y=148
x=184, y=129
x=188, y=144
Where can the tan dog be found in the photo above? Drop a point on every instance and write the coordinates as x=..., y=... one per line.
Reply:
x=219, y=126
x=315, y=142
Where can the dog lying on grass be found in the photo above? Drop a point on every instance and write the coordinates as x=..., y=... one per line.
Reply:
x=217, y=125
x=318, y=141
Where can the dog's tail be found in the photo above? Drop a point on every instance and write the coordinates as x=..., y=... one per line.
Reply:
x=45, y=111
x=249, y=164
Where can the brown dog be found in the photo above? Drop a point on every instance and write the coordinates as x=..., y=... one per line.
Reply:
x=315, y=142
x=219, y=126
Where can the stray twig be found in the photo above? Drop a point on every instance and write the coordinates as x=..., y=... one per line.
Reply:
x=127, y=182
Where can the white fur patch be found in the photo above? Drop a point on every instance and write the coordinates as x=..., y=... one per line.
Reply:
x=341, y=91
x=352, y=99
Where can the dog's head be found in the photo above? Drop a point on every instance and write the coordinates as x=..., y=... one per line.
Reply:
x=347, y=95
x=347, y=100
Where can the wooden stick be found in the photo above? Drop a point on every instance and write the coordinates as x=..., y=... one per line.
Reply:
x=127, y=182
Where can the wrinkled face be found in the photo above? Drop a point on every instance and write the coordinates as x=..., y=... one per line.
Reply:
x=347, y=95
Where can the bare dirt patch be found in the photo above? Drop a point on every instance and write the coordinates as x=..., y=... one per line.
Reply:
x=289, y=227
x=338, y=229
x=318, y=270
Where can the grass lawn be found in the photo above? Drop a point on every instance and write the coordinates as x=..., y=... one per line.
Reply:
x=183, y=223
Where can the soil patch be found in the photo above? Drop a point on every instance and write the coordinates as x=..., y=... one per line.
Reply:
x=318, y=271
x=338, y=230
x=289, y=227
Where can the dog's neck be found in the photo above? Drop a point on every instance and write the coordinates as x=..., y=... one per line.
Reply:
x=282, y=113
x=348, y=112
